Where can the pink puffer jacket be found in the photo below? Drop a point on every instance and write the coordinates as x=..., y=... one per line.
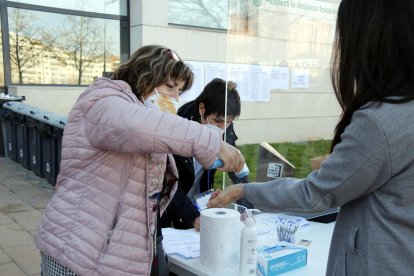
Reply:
x=101, y=219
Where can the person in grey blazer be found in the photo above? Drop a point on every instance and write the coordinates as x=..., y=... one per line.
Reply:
x=370, y=173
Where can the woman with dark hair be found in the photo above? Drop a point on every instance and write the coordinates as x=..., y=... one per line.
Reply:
x=209, y=110
x=117, y=172
x=371, y=169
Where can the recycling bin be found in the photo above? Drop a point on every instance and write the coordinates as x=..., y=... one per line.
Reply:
x=10, y=120
x=34, y=140
x=58, y=127
x=22, y=135
x=6, y=117
x=48, y=146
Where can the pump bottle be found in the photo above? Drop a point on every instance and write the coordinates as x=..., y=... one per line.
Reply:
x=248, y=247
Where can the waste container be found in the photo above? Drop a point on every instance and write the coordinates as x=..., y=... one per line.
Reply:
x=7, y=121
x=34, y=140
x=22, y=134
x=58, y=127
x=11, y=120
x=48, y=146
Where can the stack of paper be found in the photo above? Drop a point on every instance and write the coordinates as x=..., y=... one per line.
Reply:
x=273, y=219
x=263, y=234
x=182, y=242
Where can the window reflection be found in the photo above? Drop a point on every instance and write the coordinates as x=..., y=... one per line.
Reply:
x=1, y=60
x=48, y=48
x=117, y=7
x=199, y=13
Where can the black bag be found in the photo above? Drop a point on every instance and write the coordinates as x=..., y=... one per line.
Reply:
x=160, y=262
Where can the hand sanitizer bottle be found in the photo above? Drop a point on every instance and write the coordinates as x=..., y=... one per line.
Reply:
x=244, y=172
x=248, y=247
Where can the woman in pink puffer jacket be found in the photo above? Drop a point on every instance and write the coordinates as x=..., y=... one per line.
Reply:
x=116, y=153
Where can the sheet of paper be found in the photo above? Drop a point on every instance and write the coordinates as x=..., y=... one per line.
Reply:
x=202, y=201
x=240, y=74
x=260, y=83
x=182, y=242
x=214, y=70
x=263, y=234
x=198, y=84
x=273, y=219
x=300, y=78
x=279, y=78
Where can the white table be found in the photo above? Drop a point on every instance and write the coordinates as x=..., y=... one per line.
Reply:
x=319, y=233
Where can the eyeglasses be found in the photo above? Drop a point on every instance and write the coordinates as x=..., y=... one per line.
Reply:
x=174, y=55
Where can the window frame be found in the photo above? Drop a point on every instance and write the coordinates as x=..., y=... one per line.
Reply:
x=5, y=4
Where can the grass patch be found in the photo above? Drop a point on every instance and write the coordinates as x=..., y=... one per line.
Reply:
x=299, y=154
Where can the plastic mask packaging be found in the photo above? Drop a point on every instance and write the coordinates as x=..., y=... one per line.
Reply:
x=162, y=103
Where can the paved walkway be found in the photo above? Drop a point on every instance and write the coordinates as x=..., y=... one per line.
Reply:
x=23, y=198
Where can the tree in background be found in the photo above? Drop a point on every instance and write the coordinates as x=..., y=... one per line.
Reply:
x=205, y=13
x=76, y=42
x=23, y=42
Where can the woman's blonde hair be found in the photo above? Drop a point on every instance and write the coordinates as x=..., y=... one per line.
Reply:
x=151, y=66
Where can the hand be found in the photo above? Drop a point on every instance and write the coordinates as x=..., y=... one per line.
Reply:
x=244, y=216
x=196, y=224
x=231, y=157
x=227, y=196
x=214, y=195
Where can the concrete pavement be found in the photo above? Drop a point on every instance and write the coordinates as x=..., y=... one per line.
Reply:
x=23, y=198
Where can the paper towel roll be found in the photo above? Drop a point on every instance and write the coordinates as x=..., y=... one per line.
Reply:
x=220, y=239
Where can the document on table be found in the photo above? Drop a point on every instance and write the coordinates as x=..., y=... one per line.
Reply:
x=272, y=219
x=263, y=234
x=181, y=242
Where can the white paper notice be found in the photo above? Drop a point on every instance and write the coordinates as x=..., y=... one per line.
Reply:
x=215, y=70
x=259, y=83
x=198, y=84
x=279, y=78
x=300, y=78
x=239, y=73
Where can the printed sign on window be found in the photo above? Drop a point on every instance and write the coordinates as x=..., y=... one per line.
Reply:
x=275, y=170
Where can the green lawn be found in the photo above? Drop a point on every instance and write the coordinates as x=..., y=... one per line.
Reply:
x=299, y=154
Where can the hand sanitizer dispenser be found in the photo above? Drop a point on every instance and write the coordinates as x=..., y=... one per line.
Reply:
x=248, y=247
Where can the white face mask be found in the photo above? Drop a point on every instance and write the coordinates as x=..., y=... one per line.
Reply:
x=221, y=131
x=162, y=103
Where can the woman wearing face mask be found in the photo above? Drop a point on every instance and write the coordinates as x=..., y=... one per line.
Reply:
x=117, y=175
x=209, y=110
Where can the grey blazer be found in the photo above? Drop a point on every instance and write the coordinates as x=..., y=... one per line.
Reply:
x=370, y=174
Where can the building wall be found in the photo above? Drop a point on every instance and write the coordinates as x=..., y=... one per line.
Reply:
x=292, y=115
x=57, y=99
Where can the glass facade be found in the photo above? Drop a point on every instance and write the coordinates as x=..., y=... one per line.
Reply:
x=48, y=48
x=279, y=56
x=58, y=47
x=1, y=60
x=118, y=7
x=199, y=13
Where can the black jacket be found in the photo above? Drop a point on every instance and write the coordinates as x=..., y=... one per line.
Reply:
x=181, y=212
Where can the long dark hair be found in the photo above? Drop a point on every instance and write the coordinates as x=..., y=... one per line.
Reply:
x=373, y=56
